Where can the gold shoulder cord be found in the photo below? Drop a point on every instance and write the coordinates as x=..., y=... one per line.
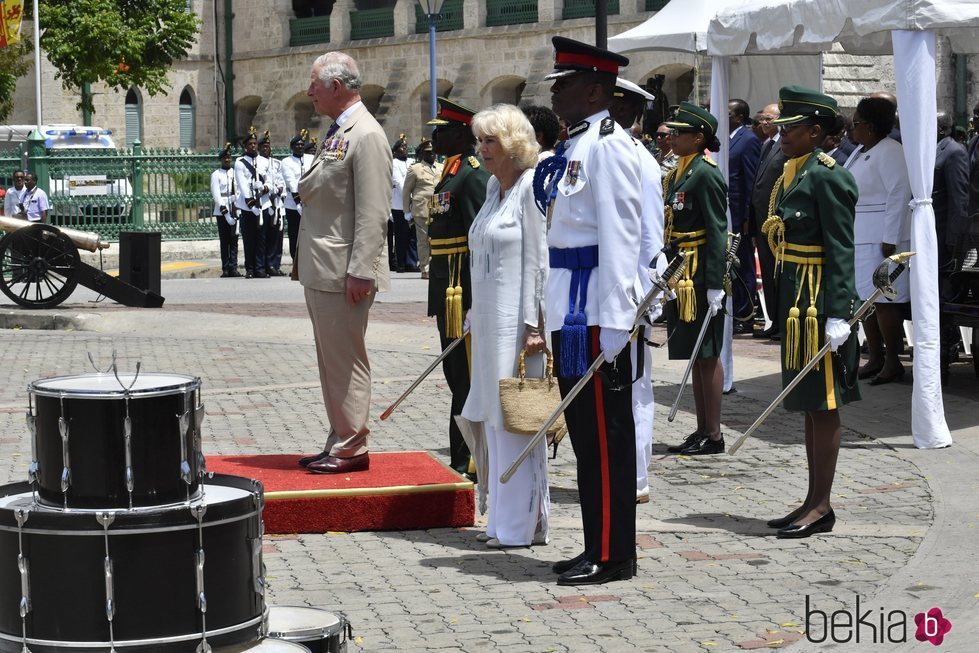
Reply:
x=667, y=209
x=774, y=227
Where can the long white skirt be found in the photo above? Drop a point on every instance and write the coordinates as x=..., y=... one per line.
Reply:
x=866, y=258
x=518, y=509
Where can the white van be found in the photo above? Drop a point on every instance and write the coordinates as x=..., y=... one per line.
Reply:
x=75, y=137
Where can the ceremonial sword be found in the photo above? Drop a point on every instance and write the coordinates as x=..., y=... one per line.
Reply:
x=417, y=382
x=882, y=286
x=731, y=256
x=660, y=286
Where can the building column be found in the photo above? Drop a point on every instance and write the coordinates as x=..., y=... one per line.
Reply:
x=404, y=18
x=340, y=21
x=473, y=14
x=549, y=11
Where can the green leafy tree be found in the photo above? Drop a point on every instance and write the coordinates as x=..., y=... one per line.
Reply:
x=13, y=65
x=123, y=43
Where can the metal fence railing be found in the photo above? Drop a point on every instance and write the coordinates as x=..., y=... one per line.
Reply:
x=510, y=12
x=586, y=8
x=108, y=191
x=449, y=19
x=371, y=24
x=307, y=31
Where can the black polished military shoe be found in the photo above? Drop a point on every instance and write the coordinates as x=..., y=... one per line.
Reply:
x=704, y=446
x=562, y=566
x=677, y=448
x=590, y=573
x=824, y=524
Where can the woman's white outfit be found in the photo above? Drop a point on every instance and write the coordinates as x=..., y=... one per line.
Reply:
x=883, y=214
x=508, y=265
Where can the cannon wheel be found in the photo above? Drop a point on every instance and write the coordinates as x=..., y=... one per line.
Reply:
x=38, y=266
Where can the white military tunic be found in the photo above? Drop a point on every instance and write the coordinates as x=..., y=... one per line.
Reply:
x=222, y=185
x=245, y=182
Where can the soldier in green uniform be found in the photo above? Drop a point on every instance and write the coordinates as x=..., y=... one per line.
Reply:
x=454, y=204
x=695, y=194
x=810, y=229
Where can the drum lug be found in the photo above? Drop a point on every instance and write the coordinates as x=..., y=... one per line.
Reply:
x=198, y=511
x=127, y=434
x=258, y=565
x=63, y=430
x=183, y=422
x=198, y=442
x=24, y=568
x=32, y=429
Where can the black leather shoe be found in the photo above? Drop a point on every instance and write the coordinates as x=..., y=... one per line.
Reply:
x=781, y=522
x=677, y=448
x=824, y=524
x=234, y=273
x=704, y=446
x=249, y=275
x=225, y=275
x=305, y=460
x=767, y=333
x=276, y=273
x=589, y=573
x=562, y=566
x=881, y=380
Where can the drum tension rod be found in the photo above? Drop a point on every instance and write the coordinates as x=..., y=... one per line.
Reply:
x=24, y=567
x=106, y=519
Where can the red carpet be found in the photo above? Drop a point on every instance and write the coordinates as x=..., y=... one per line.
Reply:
x=402, y=490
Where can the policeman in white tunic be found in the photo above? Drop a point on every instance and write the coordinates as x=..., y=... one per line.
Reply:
x=273, y=228
x=225, y=213
x=254, y=205
x=593, y=186
x=628, y=104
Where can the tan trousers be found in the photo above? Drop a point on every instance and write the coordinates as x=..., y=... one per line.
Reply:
x=345, y=373
x=421, y=238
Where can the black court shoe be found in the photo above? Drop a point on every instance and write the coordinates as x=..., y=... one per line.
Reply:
x=677, y=448
x=704, y=446
x=824, y=524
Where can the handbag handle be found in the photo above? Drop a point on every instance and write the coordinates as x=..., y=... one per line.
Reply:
x=548, y=368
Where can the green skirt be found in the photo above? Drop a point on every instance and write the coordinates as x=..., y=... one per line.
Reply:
x=683, y=335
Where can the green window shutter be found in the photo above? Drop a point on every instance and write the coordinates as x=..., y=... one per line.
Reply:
x=133, y=124
x=187, y=134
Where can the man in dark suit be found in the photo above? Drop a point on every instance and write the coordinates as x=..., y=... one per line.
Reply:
x=742, y=163
x=950, y=199
x=769, y=170
x=971, y=228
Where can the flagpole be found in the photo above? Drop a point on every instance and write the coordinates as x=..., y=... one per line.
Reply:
x=37, y=63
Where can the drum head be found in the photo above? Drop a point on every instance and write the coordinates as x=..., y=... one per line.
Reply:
x=300, y=623
x=106, y=386
x=265, y=646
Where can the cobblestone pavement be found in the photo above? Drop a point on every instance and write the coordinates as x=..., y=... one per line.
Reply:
x=711, y=576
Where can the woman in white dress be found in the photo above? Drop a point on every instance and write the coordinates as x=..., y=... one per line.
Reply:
x=882, y=227
x=508, y=263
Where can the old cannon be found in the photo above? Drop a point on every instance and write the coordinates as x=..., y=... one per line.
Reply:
x=40, y=267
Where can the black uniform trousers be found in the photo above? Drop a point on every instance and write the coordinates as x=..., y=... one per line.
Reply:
x=603, y=436
x=456, y=370
x=744, y=294
x=273, y=242
x=402, y=236
x=228, y=239
x=253, y=240
x=293, y=218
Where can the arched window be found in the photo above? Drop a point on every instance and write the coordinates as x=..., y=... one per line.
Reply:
x=134, y=117
x=188, y=135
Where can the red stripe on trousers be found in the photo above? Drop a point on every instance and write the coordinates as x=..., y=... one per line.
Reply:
x=602, y=454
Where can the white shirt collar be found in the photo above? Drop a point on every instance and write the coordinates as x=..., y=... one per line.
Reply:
x=740, y=127
x=345, y=116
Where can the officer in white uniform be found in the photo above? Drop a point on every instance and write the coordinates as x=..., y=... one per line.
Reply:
x=293, y=167
x=273, y=229
x=628, y=103
x=225, y=213
x=593, y=184
x=254, y=205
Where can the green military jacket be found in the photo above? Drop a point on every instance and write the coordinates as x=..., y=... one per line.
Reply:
x=815, y=238
x=698, y=202
x=453, y=207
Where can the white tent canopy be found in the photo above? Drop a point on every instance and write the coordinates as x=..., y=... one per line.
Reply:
x=908, y=29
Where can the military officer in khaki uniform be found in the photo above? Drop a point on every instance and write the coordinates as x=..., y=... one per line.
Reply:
x=810, y=229
x=456, y=200
x=696, y=203
x=419, y=187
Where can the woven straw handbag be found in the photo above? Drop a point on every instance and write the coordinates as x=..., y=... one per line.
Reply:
x=527, y=403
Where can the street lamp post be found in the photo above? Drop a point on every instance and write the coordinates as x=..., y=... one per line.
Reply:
x=432, y=9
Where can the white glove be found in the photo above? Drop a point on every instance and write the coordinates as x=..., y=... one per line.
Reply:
x=715, y=299
x=258, y=188
x=465, y=322
x=261, y=217
x=230, y=219
x=654, y=312
x=612, y=342
x=408, y=217
x=837, y=332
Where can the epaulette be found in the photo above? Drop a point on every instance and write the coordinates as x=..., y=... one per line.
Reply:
x=607, y=127
x=474, y=162
x=826, y=159
x=709, y=161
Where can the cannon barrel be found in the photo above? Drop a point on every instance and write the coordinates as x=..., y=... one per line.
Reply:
x=87, y=240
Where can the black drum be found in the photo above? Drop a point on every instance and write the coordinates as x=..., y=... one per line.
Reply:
x=144, y=579
x=318, y=630
x=266, y=646
x=107, y=441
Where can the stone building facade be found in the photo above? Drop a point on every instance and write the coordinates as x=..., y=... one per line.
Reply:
x=478, y=64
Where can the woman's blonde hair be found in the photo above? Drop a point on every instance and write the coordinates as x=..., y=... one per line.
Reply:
x=514, y=132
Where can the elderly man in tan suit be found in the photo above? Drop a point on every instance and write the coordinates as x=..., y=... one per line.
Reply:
x=418, y=190
x=346, y=195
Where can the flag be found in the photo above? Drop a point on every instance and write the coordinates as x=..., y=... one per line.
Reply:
x=11, y=13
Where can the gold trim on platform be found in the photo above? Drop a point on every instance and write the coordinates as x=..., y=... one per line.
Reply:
x=393, y=490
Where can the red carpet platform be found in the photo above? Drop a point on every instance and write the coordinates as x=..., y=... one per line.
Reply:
x=402, y=490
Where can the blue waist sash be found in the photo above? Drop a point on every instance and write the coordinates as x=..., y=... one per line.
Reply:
x=574, y=333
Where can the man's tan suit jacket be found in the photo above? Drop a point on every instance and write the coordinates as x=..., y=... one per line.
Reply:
x=346, y=205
